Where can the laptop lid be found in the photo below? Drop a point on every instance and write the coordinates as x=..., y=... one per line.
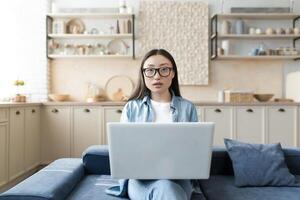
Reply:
x=160, y=150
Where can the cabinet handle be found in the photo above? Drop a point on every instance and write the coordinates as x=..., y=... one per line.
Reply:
x=18, y=112
x=218, y=110
x=119, y=111
x=33, y=110
x=281, y=110
x=87, y=110
x=249, y=110
x=54, y=110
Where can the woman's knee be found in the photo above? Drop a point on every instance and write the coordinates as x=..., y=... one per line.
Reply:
x=166, y=190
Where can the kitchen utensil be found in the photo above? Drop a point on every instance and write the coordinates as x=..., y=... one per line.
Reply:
x=297, y=31
x=283, y=100
x=252, y=30
x=258, y=31
x=117, y=47
x=58, y=97
x=279, y=31
x=226, y=26
x=119, y=88
x=226, y=46
x=288, y=31
x=75, y=26
x=263, y=97
x=269, y=31
x=239, y=26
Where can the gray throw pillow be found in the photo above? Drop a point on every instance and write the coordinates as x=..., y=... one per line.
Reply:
x=258, y=164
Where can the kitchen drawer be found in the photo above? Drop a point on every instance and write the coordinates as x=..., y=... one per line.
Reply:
x=3, y=114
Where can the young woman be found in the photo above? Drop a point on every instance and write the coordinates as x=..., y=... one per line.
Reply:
x=157, y=99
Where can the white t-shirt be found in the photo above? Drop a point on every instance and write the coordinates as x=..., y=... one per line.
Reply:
x=162, y=111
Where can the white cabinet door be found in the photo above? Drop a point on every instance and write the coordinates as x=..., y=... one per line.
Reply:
x=86, y=128
x=282, y=125
x=56, y=134
x=3, y=115
x=3, y=153
x=111, y=114
x=32, y=137
x=298, y=127
x=199, y=113
x=223, y=118
x=250, y=124
x=16, y=142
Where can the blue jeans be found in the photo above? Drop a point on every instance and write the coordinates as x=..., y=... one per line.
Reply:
x=159, y=189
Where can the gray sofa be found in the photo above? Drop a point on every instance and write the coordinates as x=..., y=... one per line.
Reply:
x=87, y=178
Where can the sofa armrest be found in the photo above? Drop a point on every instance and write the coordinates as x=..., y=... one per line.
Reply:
x=96, y=160
x=55, y=181
x=292, y=159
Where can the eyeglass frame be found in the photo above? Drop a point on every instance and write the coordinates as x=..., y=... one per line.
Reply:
x=156, y=70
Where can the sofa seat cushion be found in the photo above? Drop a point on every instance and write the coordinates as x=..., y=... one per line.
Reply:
x=223, y=187
x=93, y=187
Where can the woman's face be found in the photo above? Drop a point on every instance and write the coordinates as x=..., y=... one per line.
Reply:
x=158, y=74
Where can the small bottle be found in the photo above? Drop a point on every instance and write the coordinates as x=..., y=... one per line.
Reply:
x=221, y=96
x=122, y=6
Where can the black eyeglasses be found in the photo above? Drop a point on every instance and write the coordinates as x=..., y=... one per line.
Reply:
x=163, y=71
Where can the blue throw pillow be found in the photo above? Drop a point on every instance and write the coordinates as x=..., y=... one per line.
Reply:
x=259, y=164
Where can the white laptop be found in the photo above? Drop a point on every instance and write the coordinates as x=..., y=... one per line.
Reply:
x=160, y=150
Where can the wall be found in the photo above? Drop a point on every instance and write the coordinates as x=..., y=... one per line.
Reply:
x=71, y=76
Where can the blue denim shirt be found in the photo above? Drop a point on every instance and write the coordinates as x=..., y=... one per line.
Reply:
x=141, y=110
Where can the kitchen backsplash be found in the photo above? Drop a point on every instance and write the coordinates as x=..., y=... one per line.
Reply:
x=72, y=76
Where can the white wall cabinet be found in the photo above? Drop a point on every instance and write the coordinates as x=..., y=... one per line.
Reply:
x=249, y=124
x=282, y=125
x=111, y=114
x=16, y=142
x=32, y=137
x=56, y=133
x=222, y=116
x=3, y=153
x=87, y=130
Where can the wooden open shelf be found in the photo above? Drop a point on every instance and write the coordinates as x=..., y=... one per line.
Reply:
x=89, y=56
x=90, y=15
x=240, y=57
x=89, y=36
x=257, y=16
x=262, y=36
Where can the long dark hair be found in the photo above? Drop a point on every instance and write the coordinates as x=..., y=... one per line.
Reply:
x=141, y=90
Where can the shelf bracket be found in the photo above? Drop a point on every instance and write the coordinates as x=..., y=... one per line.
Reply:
x=295, y=21
x=214, y=37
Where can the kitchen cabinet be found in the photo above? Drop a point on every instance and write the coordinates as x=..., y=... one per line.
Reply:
x=282, y=125
x=222, y=116
x=3, y=115
x=3, y=153
x=56, y=133
x=249, y=124
x=86, y=128
x=16, y=142
x=199, y=113
x=32, y=137
x=111, y=114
